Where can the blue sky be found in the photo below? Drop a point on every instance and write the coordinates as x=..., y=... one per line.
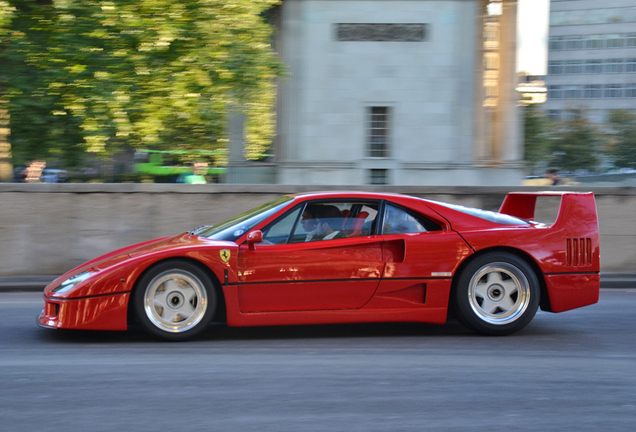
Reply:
x=532, y=39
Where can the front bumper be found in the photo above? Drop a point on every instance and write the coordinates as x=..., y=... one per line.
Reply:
x=107, y=312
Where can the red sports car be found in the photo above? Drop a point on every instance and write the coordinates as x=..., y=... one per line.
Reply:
x=343, y=258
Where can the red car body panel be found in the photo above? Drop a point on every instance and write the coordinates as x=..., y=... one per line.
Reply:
x=570, y=291
x=293, y=277
x=567, y=252
x=373, y=278
x=90, y=307
x=93, y=313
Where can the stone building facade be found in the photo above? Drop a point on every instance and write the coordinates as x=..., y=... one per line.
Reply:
x=393, y=92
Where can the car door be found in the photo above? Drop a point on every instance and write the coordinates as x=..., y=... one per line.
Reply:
x=287, y=273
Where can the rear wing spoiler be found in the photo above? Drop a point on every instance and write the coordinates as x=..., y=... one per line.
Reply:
x=577, y=209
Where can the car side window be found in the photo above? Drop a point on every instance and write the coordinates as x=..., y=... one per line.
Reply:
x=334, y=220
x=278, y=232
x=361, y=224
x=399, y=221
x=306, y=229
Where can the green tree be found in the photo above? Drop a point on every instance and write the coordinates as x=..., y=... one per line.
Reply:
x=575, y=145
x=536, y=139
x=104, y=76
x=6, y=13
x=623, y=138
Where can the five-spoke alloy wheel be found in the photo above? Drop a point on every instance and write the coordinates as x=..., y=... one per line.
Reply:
x=496, y=294
x=175, y=300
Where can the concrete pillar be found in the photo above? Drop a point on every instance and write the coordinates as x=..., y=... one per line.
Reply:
x=506, y=144
x=237, y=145
x=291, y=91
x=237, y=138
x=480, y=152
x=497, y=118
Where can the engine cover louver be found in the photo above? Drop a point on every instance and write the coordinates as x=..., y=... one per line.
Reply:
x=578, y=252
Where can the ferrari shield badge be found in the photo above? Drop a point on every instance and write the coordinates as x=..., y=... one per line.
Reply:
x=225, y=255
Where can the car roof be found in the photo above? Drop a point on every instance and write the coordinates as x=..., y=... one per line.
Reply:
x=350, y=194
x=458, y=219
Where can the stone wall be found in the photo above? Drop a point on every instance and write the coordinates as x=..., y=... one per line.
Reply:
x=49, y=228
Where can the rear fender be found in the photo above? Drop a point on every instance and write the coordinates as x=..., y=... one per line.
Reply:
x=573, y=279
x=576, y=223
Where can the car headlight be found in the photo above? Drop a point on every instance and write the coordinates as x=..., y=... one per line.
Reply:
x=71, y=282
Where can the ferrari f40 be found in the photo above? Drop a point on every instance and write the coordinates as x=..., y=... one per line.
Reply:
x=321, y=258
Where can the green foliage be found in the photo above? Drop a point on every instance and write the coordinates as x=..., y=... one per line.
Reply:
x=575, y=145
x=536, y=137
x=6, y=13
x=623, y=138
x=106, y=76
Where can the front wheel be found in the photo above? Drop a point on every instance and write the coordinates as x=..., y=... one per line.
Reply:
x=175, y=300
x=496, y=294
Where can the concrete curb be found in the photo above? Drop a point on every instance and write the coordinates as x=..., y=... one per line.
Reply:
x=37, y=283
x=618, y=280
x=25, y=283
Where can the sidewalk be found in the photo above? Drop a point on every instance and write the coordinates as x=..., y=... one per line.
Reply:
x=37, y=283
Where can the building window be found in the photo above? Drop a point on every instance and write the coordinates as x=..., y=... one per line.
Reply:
x=614, y=66
x=554, y=92
x=573, y=67
x=492, y=91
x=615, y=41
x=593, y=91
x=594, y=42
x=555, y=68
x=378, y=131
x=630, y=65
x=594, y=66
x=613, y=91
x=573, y=43
x=593, y=16
x=572, y=114
x=378, y=177
x=491, y=61
x=572, y=92
x=491, y=34
x=630, y=90
x=556, y=43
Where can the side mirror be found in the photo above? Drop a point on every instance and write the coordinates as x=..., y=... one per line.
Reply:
x=253, y=238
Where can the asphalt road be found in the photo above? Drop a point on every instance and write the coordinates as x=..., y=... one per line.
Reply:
x=574, y=371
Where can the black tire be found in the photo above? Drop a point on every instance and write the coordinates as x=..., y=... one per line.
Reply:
x=496, y=294
x=175, y=300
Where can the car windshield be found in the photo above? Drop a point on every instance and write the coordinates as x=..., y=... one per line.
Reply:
x=491, y=216
x=234, y=228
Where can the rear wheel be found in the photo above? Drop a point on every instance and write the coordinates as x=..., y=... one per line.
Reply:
x=175, y=300
x=496, y=294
